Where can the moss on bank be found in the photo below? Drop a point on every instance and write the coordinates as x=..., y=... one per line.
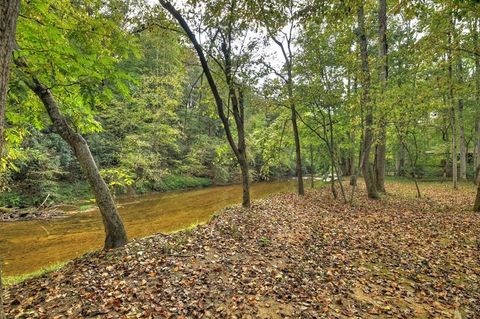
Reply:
x=13, y=280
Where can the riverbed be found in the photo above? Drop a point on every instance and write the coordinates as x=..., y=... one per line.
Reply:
x=27, y=246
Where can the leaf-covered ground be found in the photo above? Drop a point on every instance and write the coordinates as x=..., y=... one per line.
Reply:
x=287, y=257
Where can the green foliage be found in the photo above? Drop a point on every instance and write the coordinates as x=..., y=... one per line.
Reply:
x=176, y=182
x=136, y=92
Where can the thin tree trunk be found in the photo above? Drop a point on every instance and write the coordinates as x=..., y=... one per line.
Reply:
x=116, y=235
x=245, y=182
x=238, y=106
x=332, y=156
x=298, y=152
x=419, y=195
x=452, y=107
x=380, y=149
x=335, y=167
x=477, y=98
x=462, y=141
x=353, y=173
x=332, y=181
x=463, y=148
x=366, y=103
x=445, y=167
x=312, y=182
x=400, y=161
x=2, y=313
x=288, y=57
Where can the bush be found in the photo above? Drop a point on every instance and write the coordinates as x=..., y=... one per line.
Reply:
x=11, y=199
x=177, y=182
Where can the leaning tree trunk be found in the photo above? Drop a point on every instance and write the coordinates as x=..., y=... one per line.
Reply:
x=380, y=149
x=238, y=114
x=116, y=235
x=8, y=22
x=367, y=170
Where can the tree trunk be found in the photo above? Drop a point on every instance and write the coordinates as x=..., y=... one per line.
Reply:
x=312, y=182
x=238, y=149
x=463, y=147
x=296, y=137
x=8, y=22
x=298, y=152
x=2, y=313
x=477, y=97
x=366, y=104
x=245, y=182
x=462, y=141
x=446, y=166
x=353, y=173
x=476, y=206
x=114, y=229
x=380, y=149
x=453, y=121
x=400, y=162
x=238, y=105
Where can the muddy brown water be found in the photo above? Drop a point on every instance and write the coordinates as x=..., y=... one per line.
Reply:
x=27, y=246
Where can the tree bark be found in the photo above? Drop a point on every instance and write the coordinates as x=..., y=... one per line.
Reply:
x=476, y=206
x=245, y=182
x=116, y=235
x=312, y=174
x=380, y=149
x=400, y=161
x=366, y=104
x=463, y=147
x=242, y=149
x=2, y=313
x=461, y=128
x=453, y=121
x=8, y=22
x=296, y=137
x=298, y=152
x=477, y=98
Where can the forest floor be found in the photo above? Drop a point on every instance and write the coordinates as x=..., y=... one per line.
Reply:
x=287, y=257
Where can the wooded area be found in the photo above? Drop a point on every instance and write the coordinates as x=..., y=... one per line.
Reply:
x=101, y=99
